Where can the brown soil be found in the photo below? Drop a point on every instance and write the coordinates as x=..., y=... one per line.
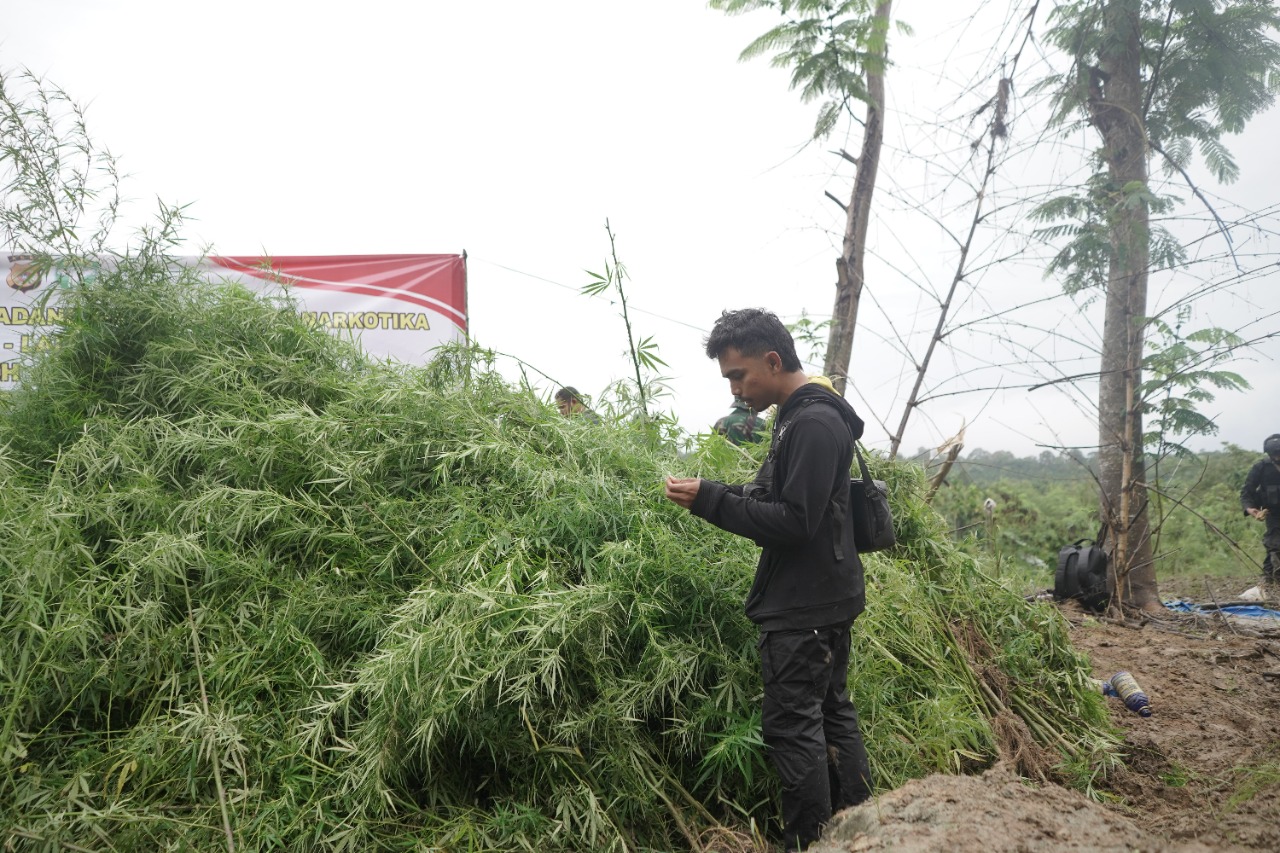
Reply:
x=1201, y=774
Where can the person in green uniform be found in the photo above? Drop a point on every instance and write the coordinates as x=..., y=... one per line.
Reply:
x=741, y=425
x=569, y=403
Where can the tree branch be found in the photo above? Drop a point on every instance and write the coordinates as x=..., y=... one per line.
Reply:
x=1222, y=226
x=1207, y=523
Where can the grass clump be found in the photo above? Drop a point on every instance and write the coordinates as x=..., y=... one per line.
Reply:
x=1250, y=782
x=257, y=590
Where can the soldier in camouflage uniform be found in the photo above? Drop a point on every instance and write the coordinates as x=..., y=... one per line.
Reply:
x=741, y=426
x=569, y=402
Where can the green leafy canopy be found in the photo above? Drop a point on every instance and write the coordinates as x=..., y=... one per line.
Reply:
x=829, y=46
x=1207, y=67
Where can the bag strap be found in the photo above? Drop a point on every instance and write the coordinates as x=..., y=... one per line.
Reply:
x=862, y=465
x=1060, y=574
x=1097, y=542
x=837, y=516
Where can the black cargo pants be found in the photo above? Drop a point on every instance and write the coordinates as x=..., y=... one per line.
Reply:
x=1271, y=563
x=811, y=728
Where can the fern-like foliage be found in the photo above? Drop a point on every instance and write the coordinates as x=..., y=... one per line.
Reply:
x=1183, y=373
x=1078, y=223
x=829, y=46
x=1208, y=66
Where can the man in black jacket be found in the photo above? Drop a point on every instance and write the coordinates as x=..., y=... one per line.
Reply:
x=808, y=586
x=1260, y=498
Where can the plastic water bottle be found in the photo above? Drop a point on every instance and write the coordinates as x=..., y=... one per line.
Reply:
x=1103, y=687
x=1127, y=688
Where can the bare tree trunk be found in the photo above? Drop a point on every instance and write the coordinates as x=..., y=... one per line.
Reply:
x=1116, y=103
x=849, y=266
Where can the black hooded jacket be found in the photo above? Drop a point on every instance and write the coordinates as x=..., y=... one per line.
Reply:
x=1262, y=491
x=794, y=511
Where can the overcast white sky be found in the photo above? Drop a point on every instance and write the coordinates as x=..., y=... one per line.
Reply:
x=514, y=129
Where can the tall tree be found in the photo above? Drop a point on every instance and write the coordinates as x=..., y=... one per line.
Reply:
x=837, y=51
x=1152, y=77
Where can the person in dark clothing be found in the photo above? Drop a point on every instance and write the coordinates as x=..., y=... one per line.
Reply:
x=569, y=403
x=1260, y=499
x=808, y=586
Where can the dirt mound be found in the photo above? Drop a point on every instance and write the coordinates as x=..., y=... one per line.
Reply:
x=1201, y=774
x=996, y=811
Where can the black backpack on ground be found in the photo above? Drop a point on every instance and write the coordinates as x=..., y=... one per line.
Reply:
x=1082, y=574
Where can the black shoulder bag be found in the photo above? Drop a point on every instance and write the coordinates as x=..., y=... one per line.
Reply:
x=869, y=511
x=868, y=500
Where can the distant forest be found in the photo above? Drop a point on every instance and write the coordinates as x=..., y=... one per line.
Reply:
x=1045, y=502
x=980, y=466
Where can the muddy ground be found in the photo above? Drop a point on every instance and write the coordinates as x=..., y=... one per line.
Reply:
x=1201, y=774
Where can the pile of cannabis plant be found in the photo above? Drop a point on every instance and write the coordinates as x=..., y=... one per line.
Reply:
x=259, y=591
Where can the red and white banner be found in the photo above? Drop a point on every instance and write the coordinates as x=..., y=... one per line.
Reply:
x=395, y=306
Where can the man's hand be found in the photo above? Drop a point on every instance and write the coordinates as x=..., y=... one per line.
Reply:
x=1257, y=513
x=682, y=490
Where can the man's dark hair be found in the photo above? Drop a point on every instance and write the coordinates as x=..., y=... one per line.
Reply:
x=753, y=332
x=569, y=394
x=1272, y=445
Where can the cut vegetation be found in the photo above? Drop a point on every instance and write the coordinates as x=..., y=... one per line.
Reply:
x=257, y=591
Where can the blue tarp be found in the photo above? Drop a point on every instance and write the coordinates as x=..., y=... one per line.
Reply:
x=1252, y=611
